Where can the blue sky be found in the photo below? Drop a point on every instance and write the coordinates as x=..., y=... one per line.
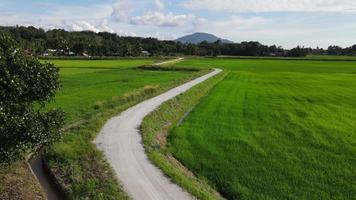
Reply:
x=287, y=23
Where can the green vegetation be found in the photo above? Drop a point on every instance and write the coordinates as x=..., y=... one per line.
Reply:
x=81, y=44
x=26, y=85
x=274, y=129
x=156, y=126
x=86, y=83
x=271, y=66
x=307, y=58
x=331, y=57
x=93, y=92
x=268, y=129
x=101, y=64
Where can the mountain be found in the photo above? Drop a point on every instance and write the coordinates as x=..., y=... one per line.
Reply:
x=196, y=38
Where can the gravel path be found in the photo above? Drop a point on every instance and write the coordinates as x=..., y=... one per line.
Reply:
x=169, y=61
x=120, y=140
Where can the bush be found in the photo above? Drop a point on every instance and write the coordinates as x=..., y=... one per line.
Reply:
x=298, y=52
x=26, y=85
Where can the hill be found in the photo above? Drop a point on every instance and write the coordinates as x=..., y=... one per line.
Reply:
x=196, y=38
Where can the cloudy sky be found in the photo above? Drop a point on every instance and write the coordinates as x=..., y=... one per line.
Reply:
x=282, y=22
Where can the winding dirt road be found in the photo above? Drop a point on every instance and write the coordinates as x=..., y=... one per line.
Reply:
x=120, y=140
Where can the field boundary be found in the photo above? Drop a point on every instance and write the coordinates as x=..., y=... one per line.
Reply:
x=104, y=58
x=155, y=129
x=285, y=58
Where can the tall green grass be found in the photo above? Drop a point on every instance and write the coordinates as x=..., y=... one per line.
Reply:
x=274, y=130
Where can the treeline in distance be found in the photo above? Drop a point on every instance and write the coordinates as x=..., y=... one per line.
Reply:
x=59, y=42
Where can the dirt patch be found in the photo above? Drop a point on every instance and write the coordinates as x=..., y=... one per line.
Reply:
x=180, y=166
x=18, y=183
x=161, y=137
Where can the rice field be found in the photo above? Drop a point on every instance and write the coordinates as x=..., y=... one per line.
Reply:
x=274, y=129
x=87, y=83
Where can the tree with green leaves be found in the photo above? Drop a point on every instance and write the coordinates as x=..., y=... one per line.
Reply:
x=26, y=85
x=298, y=52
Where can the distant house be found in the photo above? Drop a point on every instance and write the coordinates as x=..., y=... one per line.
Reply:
x=277, y=54
x=52, y=50
x=86, y=55
x=145, y=53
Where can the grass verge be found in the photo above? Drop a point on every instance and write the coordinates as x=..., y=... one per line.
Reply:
x=81, y=169
x=155, y=129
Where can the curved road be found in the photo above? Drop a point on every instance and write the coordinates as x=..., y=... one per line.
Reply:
x=120, y=140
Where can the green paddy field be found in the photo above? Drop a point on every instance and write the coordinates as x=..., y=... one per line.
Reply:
x=88, y=83
x=271, y=129
x=274, y=129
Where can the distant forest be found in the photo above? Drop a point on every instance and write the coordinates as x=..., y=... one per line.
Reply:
x=59, y=42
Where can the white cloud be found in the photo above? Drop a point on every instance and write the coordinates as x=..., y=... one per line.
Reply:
x=286, y=31
x=89, y=12
x=79, y=26
x=86, y=26
x=105, y=27
x=240, y=23
x=159, y=4
x=126, y=33
x=197, y=24
x=144, y=17
x=272, y=5
x=161, y=36
x=56, y=14
x=122, y=11
x=228, y=25
x=162, y=19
